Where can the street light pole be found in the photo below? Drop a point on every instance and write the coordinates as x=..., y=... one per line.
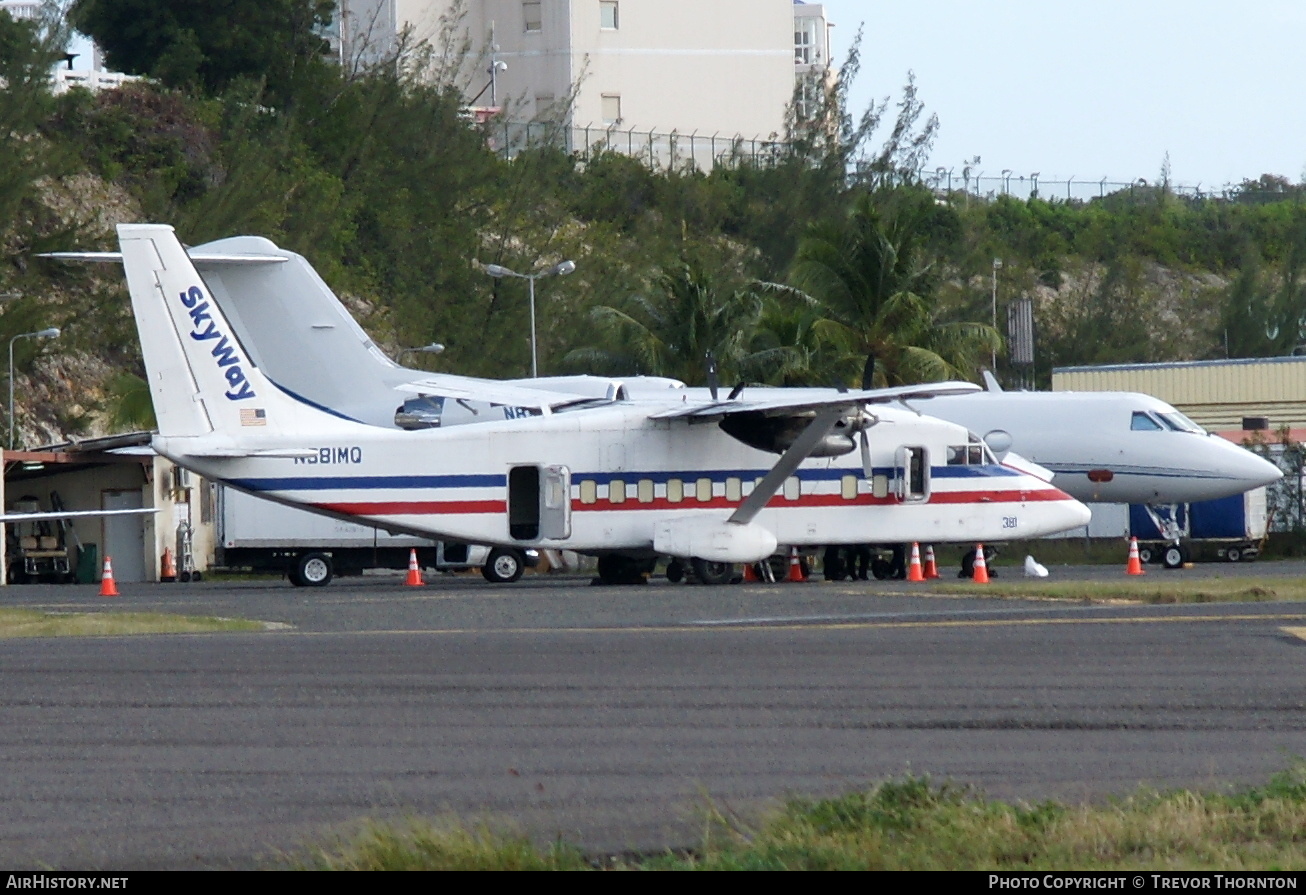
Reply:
x=997, y=263
x=562, y=268
x=51, y=333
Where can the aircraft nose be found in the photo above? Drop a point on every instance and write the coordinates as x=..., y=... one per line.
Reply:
x=1077, y=514
x=1246, y=467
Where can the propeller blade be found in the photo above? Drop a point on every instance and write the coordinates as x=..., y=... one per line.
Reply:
x=864, y=442
x=713, y=381
x=734, y=392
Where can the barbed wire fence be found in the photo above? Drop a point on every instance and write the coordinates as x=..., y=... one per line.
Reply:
x=705, y=152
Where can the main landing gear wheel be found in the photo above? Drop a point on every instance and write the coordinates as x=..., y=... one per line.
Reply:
x=675, y=571
x=1174, y=557
x=312, y=570
x=708, y=572
x=503, y=566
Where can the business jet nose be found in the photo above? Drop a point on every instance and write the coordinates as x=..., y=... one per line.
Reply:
x=1243, y=468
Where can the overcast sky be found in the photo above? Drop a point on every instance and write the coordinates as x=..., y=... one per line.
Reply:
x=1096, y=89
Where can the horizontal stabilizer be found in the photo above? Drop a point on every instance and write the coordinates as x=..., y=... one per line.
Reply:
x=201, y=258
x=237, y=453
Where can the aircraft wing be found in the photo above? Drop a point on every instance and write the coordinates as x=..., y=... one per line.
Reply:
x=776, y=403
x=70, y=514
x=491, y=391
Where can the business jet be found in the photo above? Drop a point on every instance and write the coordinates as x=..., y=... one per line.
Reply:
x=625, y=479
x=1110, y=447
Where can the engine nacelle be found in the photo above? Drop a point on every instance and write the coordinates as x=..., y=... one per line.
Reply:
x=712, y=539
x=776, y=433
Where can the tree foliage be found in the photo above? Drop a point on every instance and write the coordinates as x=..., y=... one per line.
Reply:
x=209, y=44
x=872, y=275
x=790, y=267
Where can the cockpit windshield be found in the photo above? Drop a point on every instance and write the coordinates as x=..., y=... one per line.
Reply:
x=974, y=453
x=1180, y=423
x=1145, y=422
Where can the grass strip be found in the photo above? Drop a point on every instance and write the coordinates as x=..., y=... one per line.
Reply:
x=34, y=623
x=906, y=824
x=1142, y=590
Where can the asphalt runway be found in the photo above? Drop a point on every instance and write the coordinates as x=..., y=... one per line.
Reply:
x=610, y=717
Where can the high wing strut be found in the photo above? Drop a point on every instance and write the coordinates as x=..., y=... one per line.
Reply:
x=799, y=451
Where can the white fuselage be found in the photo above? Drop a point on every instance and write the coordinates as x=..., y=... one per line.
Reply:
x=624, y=475
x=1111, y=447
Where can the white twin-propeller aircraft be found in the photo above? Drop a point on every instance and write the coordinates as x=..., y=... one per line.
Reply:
x=628, y=473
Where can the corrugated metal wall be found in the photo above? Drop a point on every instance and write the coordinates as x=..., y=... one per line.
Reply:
x=1215, y=394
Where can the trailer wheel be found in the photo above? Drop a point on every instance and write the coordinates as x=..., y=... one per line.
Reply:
x=196, y=576
x=312, y=570
x=1233, y=554
x=1174, y=557
x=1145, y=555
x=503, y=566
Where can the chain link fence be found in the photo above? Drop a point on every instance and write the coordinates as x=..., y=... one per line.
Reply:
x=664, y=151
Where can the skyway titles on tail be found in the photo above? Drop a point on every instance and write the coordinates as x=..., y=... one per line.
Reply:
x=202, y=382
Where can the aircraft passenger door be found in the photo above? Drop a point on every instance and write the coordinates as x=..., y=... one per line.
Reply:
x=913, y=474
x=555, y=502
x=539, y=502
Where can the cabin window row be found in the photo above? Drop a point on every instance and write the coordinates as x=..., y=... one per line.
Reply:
x=704, y=490
x=701, y=490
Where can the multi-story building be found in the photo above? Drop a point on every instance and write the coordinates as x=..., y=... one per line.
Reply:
x=618, y=67
x=21, y=9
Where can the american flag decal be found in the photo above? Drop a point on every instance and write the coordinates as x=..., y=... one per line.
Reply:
x=256, y=416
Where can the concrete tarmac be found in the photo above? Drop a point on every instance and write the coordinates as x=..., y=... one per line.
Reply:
x=610, y=717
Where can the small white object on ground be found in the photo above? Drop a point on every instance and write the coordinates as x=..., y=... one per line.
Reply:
x=1033, y=569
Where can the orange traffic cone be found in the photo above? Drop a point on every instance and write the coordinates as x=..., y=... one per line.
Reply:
x=750, y=573
x=914, y=572
x=107, y=586
x=795, y=567
x=169, y=571
x=1135, y=565
x=414, y=573
x=981, y=575
x=931, y=568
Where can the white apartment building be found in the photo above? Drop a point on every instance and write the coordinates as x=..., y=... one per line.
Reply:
x=22, y=9
x=692, y=67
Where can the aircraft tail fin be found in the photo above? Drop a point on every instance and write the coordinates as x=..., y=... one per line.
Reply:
x=201, y=378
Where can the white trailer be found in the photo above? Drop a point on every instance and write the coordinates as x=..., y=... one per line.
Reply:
x=310, y=549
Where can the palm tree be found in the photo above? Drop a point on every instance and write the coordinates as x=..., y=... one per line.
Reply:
x=869, y=275
x=670, y=330
x=785, y=348
x=130, y=404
